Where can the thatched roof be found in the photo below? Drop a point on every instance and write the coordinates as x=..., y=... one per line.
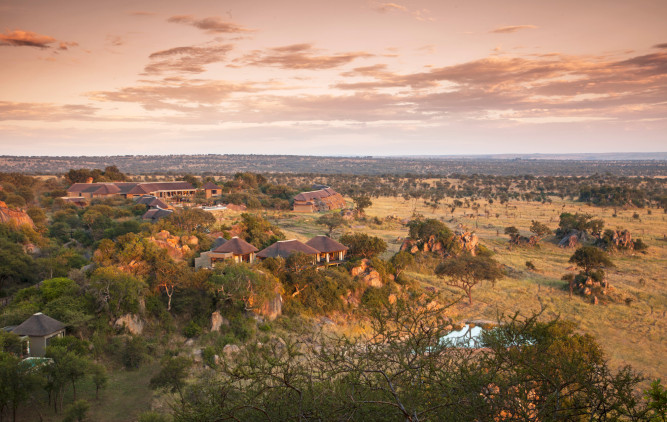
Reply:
x=236, y=246
x=285, y=248
x=326, y=244
x=38, y=325
x=218, y=242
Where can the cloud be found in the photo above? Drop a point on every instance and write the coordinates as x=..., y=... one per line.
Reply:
x=512, y=28
x=175, y=94
x=19, y=38
x=663, y=45
x=210, y=25
x=299, y=56
x=419, y=14
x=186, y=59
x=66, y=45
x=45, y=111
x=388, y=7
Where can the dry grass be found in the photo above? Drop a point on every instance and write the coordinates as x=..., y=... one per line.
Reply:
x=634, y=333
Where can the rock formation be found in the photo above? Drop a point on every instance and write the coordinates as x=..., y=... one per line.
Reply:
x=367, y=274
x=130, y=322
x=467, y=241
x=177, y=247
x=14, y=216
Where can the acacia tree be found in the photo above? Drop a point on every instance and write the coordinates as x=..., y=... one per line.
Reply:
x=362, y=202
x=403, y=371
x=466, y=271
x=332, y=221
x=362, y=245
x=591, y=260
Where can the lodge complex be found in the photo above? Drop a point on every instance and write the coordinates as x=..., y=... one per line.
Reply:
x=322, y=249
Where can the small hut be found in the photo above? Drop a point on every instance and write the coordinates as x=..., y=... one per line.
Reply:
x=40, y=329
x=285, y=248
x=211, y=189
x=237, y=249
x=329, y=249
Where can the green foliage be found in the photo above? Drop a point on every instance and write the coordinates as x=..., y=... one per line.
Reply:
x=466, y=271
x=363, y=245
x=17, y=383
x=656, y=396
x=362, y=202
x=422, y=230
x=191, y=219
x=332, y=221
x=402, y=370
x=134, y=352
x=241, y=285
x=259, y=232
x=58, y=287
x=10, y=343
x=590, y=258
x=540, y=229
x=317, y=291
x=172, y=375
x=191, y=330
x=77, y=411
x=400, y=262
x=116, y=291
x=581, y=222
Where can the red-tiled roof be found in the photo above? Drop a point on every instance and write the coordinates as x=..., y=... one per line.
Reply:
x=326, y=244
x=316, y=194
x=210, y=185
x=285, y=248
x=236, y=246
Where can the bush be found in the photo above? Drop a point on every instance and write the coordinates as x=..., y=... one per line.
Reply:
x=531, y=266
x=192, y=330
x=134, y=352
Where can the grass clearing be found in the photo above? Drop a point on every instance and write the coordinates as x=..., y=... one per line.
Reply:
x=634, y=333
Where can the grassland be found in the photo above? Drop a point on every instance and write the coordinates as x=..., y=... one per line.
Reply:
x=631, y=332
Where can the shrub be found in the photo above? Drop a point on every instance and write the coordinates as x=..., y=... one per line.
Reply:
x=192, y=330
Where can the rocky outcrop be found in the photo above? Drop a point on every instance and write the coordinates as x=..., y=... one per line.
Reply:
x=14, y=216
x=131, y=323
x=273, y=308
x=218, y=321
x=570, y=240
x=177, y=247
x=467, y=242
x=367, y=274
x=622, y=239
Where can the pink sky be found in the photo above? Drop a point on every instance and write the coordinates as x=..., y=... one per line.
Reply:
x=350, y=77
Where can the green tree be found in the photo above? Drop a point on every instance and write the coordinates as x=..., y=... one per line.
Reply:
x=590, y=258
x=400, y=262
x=17, y=383
x=656, y=397
x=363, y=245
x=173, y=374
x=332, y=221
x=361, y=203
x=100, y=378
x=540, y=229
x=466, y=271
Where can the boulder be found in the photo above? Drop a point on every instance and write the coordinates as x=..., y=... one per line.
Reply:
x=372, y=278
x=272, y=308
x=230, y=350
x=14, y=216
x=217, y=321
x=131, y=323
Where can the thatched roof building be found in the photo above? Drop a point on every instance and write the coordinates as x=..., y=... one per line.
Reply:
x=285, y=248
